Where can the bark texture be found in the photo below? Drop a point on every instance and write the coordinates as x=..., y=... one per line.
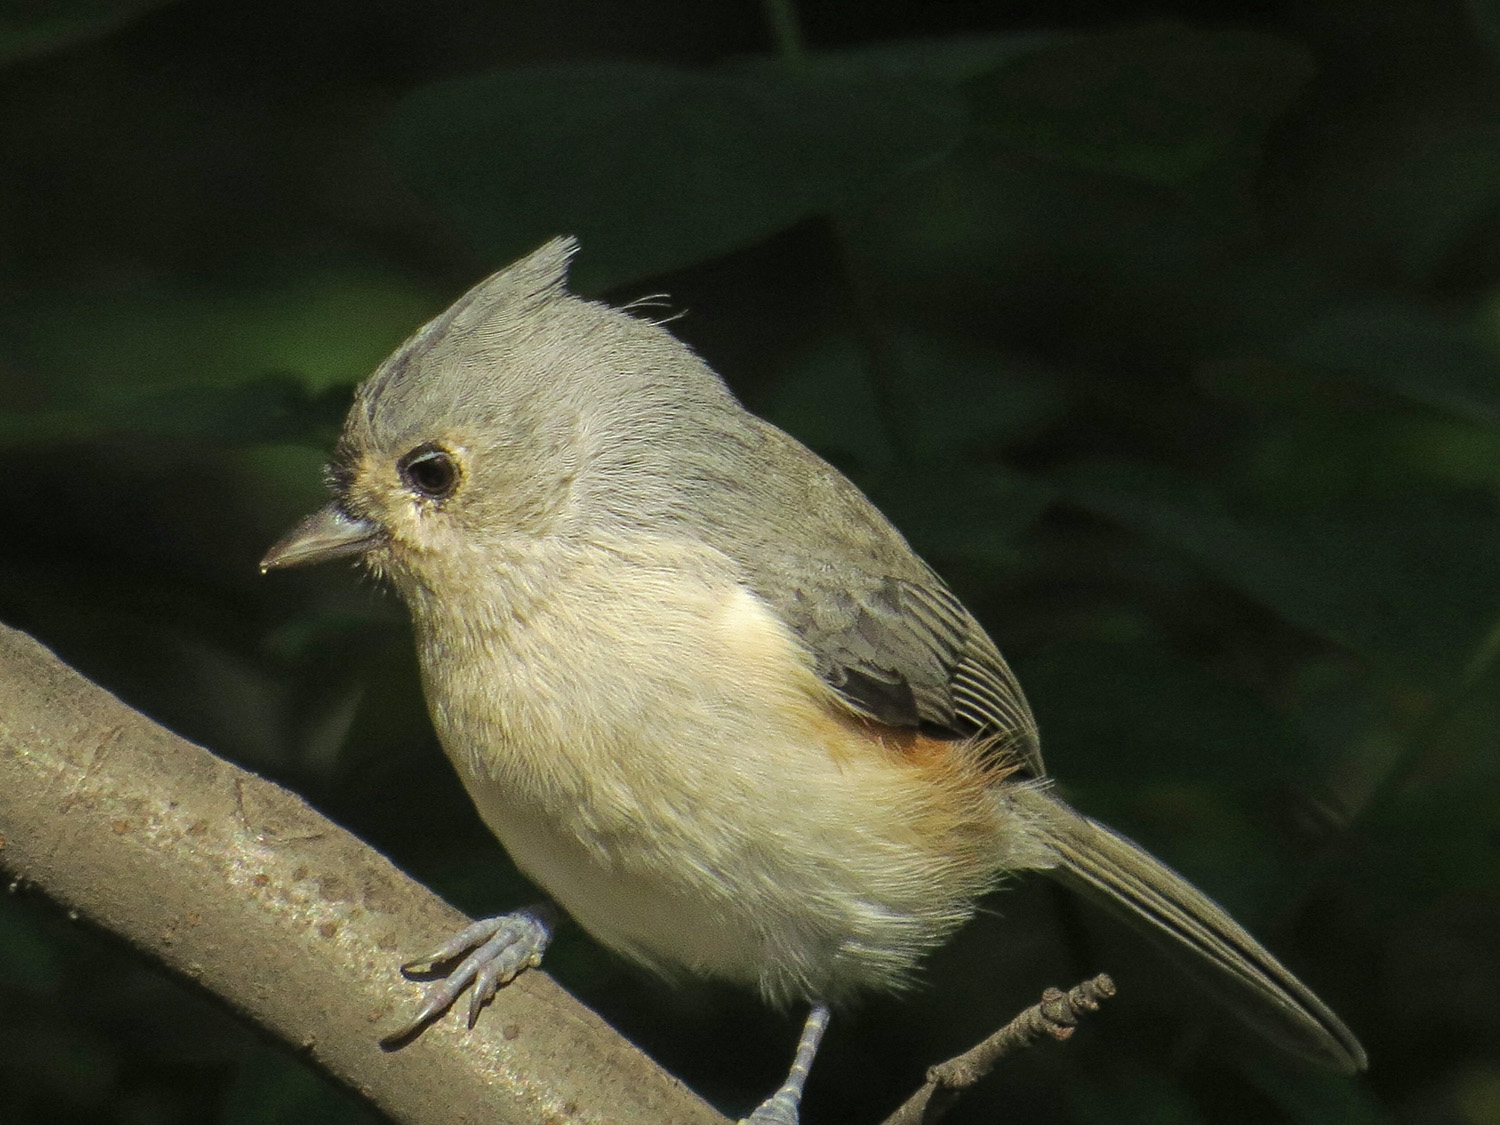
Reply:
x=237, y=884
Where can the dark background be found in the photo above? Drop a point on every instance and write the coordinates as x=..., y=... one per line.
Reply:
x=1169, y=332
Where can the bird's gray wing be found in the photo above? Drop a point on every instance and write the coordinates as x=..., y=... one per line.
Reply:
x=905, y=652
x=885, y=632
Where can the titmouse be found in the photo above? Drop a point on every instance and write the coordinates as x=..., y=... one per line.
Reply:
x=699, y=687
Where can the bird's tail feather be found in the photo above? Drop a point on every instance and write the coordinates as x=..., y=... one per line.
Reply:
x=1122, y=876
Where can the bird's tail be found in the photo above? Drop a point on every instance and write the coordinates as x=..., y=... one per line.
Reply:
x=1121, y=876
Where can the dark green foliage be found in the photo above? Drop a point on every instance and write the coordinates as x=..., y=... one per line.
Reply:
x=709, y=162
x=1161, y=103
x=1169, y=333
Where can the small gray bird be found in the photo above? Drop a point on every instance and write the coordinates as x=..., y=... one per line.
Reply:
x=699, y=687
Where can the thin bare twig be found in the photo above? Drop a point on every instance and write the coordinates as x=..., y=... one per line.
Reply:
x=1057, y=1014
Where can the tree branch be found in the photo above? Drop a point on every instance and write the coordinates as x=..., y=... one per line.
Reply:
x=1057, y=1014
x=240, y=886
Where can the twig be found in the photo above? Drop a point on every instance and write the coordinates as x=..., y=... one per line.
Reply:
x=1057, y=1014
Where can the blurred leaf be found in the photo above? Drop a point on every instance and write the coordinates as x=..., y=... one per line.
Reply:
x=1486, y=17
x=72, y=1064
x=273, y=408
x=1437, y=965
x=825, y=398
x=1322, y=439
x=656, y=168
x=32, y=27
x=946, y=502
x=1478, y=1095
x=1178, y=759
x=1409, y=581
x=965, y=397
x=971, y=512
x=329, y=328
x=288, y=478
x=1162, y=103
x=275, y=1089
x=31, y=960
x=1315, y=1097
x=1119, y=711
x=1409, y=351
x=961, y=398
x=1126, y=1094
x=952, y=60
x=1446, y=829
x=1438, y=196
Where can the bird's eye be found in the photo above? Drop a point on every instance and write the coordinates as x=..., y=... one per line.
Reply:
x=430, y=471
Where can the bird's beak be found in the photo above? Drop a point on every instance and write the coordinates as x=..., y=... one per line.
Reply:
x=329, y=533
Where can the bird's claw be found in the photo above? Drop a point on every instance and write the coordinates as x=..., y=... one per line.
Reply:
x=499, y=950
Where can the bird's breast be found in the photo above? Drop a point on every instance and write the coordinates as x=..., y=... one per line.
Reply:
x=651, y=744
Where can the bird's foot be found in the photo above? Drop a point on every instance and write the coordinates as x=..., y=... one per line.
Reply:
x=784, y=1106
x=502, y=948
x=778, y=1109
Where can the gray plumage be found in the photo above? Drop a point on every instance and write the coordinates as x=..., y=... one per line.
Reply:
x=883, y=628
x=617, y=524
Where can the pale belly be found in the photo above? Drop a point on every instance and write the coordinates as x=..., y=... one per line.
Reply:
x=640, y=909
x=792, y=896
x=681, y=785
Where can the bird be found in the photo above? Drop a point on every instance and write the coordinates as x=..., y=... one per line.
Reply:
x=704, y=693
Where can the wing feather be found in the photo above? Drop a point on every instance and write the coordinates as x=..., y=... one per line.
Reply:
x=908, y=654
x=885, y=632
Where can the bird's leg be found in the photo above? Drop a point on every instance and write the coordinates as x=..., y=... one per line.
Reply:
x=501, y=949
x=781, y=1108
